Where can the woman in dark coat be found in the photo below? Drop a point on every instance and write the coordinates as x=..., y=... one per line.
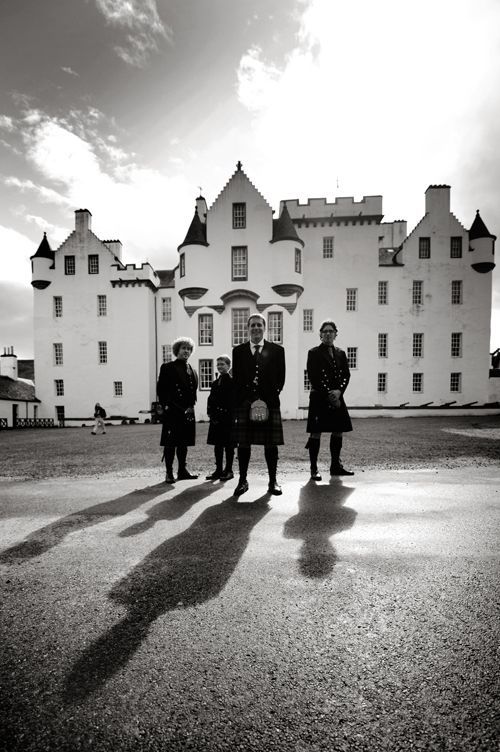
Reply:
x=329, y=376
x=177, y=385
x=219, y=408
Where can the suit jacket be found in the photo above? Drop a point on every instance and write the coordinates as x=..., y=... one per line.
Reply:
x=177, y=385
x=258, y=380
x=326, y=374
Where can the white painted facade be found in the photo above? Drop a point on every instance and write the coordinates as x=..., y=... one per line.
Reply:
x=291, y=274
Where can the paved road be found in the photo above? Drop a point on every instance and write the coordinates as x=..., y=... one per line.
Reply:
x=355, y=615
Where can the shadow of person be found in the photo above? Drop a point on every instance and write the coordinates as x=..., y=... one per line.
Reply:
x=321, y=515
x=186, y=570
x=45, y=538
x=172, y=508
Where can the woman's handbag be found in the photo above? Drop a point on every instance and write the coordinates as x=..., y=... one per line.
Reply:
x=259, y=412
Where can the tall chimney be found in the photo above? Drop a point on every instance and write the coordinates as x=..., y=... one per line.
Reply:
x=83, y=221
x=8, y=363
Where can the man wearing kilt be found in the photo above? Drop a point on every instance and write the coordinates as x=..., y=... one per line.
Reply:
x=329, y=376
x=258, y=373
x=219, y=409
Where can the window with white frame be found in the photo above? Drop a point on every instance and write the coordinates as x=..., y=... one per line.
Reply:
x=166, y=309
x=206, y=372
x=456, y=247
x=455, y=382
x=58, y=353
x=456, y=292
x=381, y=382
x=352, y=357
x=417, y=295
x=69, y=265
x=102, y=305
x=275, y=327
x=58, y=306
x=383, y=292
x=424, y=248
x=102, y=352
x=59, y=387
x=298, y=260
x=239, y=262
x=93, y=263
x=239, y=216
x=418, y=345
x=307, y=321
x=328, y=243
x=383, y=345
x=239, y=329
x=182, y=265
x=118, y=388
x=205, y=329
x=417, y=382
x=351, y=299
x=307, y=383
x=456, y=344
x=166, y=353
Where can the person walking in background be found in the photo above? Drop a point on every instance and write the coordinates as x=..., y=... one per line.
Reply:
x=329, y=376
x=176, y=388
x=258, y=374
x=219, y=408
x=99, y=415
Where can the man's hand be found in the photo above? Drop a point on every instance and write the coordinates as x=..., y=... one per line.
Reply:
x=334, y=397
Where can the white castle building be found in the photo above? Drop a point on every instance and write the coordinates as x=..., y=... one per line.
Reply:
x=413, y=311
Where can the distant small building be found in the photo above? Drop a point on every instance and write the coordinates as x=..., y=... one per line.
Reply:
x=18, y=402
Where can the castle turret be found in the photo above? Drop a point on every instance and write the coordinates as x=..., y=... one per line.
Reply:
x=193, y=258
x=41, y=264
x=482, y=246
x=287, y=256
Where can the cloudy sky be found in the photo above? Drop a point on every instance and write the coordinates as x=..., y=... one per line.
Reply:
x=128, y=107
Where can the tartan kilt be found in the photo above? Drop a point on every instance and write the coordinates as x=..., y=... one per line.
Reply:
x=177, y=430
x=245, y=433
x=323, y=417
x=219, y=432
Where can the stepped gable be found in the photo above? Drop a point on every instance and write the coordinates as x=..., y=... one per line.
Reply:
x=197, y=232
x=13, y=389
x=44, y=250
x=166, y=277
x=239, y=174
x=479, y=230
x=284, y=229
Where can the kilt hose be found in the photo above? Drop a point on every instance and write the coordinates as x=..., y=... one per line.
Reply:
x=245, y=433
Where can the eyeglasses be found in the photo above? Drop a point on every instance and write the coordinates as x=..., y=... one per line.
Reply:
x=328, y=331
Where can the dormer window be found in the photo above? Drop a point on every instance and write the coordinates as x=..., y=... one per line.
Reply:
x=239, y=216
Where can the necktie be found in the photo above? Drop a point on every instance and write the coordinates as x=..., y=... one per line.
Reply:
x=256, y=352
x=330, y=352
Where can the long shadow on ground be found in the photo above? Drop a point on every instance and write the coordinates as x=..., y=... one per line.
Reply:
x=321, y=515
x=185, y=570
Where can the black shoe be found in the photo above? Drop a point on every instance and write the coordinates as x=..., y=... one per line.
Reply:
x=185, y=475
x=216, y=475
x=169, y=477
x=274, y=488
x=315, y=475
x=227, y=475
x=241, y=488
x=339, y=470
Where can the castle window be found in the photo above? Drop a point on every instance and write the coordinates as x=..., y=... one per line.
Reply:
x=69, y=265
x=239, y=317
x=456, y=344
x=205, y=329
x=118, y=388
x=328, y=242
x=456, y=292
x=182, y=265
x=298, y=261
x=352, y=357
x=239, y=216
x=424, y=248
x=417, y=292
x=93, y=263
x=456, y=247
x=166, y=353
x=308, y=320
x=275, y=327
x=383, y=293
x=417, y=382
x=59, y=387
x=206, y=371
x=239, y=262
x=102, y=353
x=418, y=345
x=351, y=299
x=381, y=382
x=382, y=345
x=58, y=353
x=455, y=382
x=102, y=305
x=166, y=309
x=307, y=383
x=58, y=306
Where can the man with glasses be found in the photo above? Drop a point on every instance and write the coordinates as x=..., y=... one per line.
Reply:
x=329, y=376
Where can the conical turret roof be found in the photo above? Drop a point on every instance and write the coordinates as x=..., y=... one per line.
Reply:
x=44, y=250
x=478, y=229
x=284, y=229
x=197, y=233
